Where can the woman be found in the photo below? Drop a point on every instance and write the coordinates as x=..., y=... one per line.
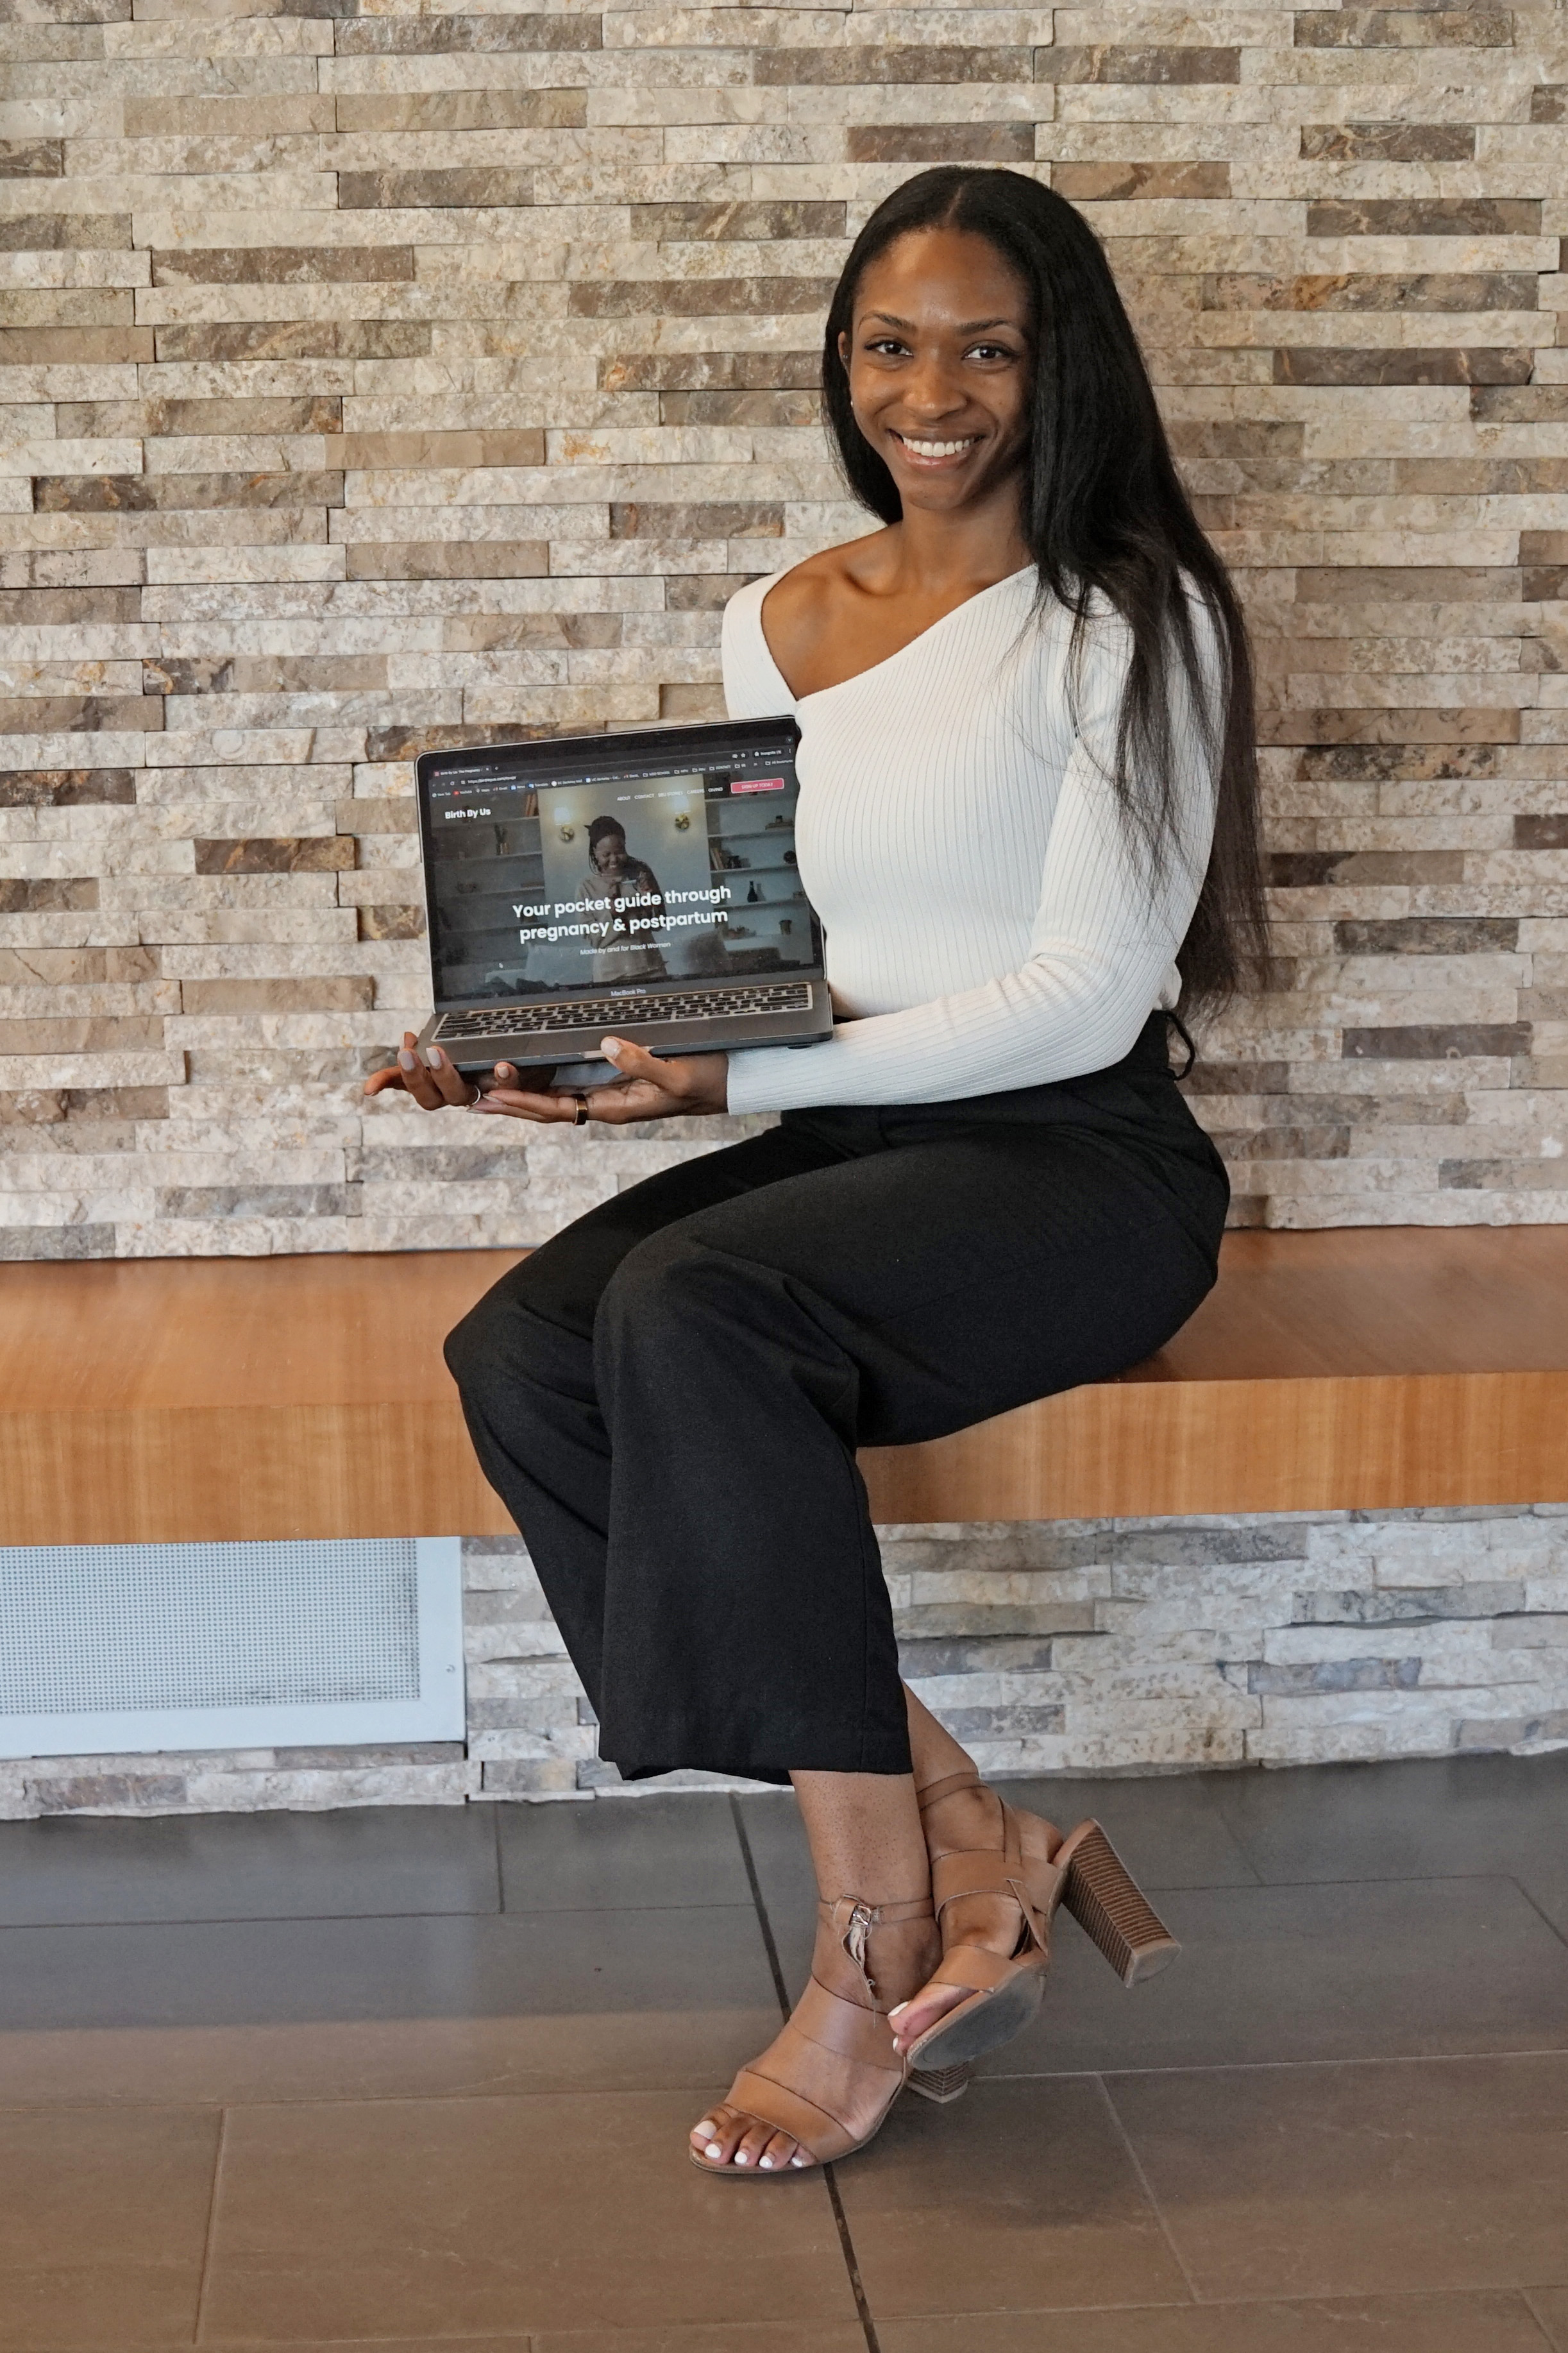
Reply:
x=1027, y=795
x=616, y=878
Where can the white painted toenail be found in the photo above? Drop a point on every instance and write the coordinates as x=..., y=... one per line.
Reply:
x=766, y=2162
x=741, y=2157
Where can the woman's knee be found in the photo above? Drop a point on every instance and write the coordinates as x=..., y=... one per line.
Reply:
x=676, y=1279
x=501, y=1336
x=470, y=1347
x=651, y=1285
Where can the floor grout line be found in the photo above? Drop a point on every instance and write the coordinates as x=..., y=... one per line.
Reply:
x=1549, y=2335
x=1561, y=1935
x=1155, y=2208
x=1215, y=1813
x=766, y=1926
x=846, y=2243
x=1205, y=2304
x=499, y=1910
x=1266, y=2066
x=352, y=1919
x=851, y=2262
x=210, y=2233
x=193, y=2103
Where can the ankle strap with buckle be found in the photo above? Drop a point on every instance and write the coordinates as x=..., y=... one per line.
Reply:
x=852, y=1921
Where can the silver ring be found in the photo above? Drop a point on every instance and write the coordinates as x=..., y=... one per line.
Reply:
x=582, y=1118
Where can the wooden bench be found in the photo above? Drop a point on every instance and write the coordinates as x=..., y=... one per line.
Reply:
x=154, y=1401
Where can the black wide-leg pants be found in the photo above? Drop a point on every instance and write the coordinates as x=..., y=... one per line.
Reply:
x=668, y=1395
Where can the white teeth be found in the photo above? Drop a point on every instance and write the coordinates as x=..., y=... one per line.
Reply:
x=935, y=448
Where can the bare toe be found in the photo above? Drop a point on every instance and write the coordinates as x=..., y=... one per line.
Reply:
x=777, y=2153
x=715, y=2139
x=754, y=2139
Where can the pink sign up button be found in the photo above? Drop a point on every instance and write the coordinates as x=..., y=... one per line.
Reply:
x=757, y=785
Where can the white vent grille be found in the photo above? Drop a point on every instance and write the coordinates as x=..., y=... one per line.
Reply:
x=109, y=1647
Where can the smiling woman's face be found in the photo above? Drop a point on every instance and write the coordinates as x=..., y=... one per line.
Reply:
x=940, y=361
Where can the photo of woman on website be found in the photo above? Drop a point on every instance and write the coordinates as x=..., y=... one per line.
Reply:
x=615, y=876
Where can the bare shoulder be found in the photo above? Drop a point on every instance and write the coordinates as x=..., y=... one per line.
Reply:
x=811, y=602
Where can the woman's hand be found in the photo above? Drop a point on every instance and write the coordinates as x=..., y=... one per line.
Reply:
x=648, y=1087
x=434, y=1084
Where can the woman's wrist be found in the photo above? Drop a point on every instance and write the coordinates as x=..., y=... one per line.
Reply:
x=711, y=1087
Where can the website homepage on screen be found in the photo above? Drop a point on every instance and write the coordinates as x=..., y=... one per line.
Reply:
x=543, y=888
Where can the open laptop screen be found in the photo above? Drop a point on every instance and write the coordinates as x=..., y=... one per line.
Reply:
x=617, y=861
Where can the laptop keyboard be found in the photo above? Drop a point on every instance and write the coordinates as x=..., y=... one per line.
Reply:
x=612, y=1014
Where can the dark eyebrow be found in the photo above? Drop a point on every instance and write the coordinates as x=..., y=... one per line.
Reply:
x=970, y=326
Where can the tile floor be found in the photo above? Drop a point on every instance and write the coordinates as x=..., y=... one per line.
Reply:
x=420, y=2079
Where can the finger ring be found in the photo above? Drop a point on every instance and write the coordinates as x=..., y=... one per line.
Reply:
x=582, y=1116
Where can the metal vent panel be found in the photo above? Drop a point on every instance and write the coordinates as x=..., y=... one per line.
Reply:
x=193, y=1645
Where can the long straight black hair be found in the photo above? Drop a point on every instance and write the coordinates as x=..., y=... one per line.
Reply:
x=1102, y=511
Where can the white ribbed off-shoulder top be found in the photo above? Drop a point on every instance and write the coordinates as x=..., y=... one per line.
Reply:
x=987, y=925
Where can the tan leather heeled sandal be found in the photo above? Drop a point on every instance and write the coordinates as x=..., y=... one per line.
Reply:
x=831, y=2074
x=1036, y=1868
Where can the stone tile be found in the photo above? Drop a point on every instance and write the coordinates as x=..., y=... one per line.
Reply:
x=422, y=2344
x=627, y=2048
x=1186, y=63
x=680, y=1849
x=254, y=264
x=1430, y=217
x=1021, y=2195
x=1167, y=1827
x=1272, y=1974
x=939, y=143
x=1389, y=29
x=462, y=2217
x=465, y=110
x=1482, y=2323
x=682, y=2336
x=746, y=2336
x=488, y=35
x=1389, y=142
x=267, y=1973
x=785, y=1881
x=759, y=223
x=1102, y=182
x=405, y=2006
x=103, y=2219
x=1429, y=1818
x=358, y=1861
x=1404, y=2179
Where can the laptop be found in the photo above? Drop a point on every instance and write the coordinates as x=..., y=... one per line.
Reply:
x=640, y=883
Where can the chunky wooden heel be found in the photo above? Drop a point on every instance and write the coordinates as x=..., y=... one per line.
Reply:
x=943, y=2084
x=1111, y=1909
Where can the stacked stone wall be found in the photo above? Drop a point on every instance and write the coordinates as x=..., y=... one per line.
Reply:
x=380, y=377
x=1089, y=1647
